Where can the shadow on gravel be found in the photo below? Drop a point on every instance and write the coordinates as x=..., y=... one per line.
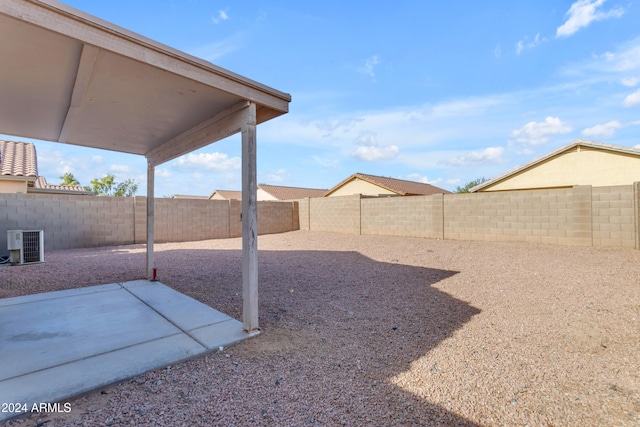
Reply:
x=337, y=327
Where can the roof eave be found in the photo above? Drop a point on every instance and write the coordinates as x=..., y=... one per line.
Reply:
x=18, y=178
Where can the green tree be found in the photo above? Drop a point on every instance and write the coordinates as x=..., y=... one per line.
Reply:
x=469, y=185
x=107, y=186
x=70, y=180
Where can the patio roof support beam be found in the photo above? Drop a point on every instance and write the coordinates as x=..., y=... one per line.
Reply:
x=226, y=123
x=249, y=222
x=150, y=219
x=87, y=62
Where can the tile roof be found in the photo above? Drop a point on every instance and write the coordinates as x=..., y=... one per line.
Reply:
x=41, y=185
x=18, y=159
x=228, y=194
x=291, y=193
x=399, y=186
x=186, y=196
x=575, y=143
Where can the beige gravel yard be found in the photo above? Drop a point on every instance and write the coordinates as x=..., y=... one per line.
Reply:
x=376, y=330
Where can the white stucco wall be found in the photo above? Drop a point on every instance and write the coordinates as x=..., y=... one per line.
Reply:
x=586, y=166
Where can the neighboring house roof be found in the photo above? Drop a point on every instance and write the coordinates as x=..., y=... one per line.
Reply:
x=576, y=144
x=227, y=194
x=41, y=186
x=18, y=159
x=291, y=193
x=185, y=196
x=400, y=187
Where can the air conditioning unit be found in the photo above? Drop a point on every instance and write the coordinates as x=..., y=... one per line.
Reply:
x=25, y=246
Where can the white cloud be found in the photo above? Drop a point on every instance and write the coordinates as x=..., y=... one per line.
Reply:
x=162, y=173
x=627, y=59
x=405, y=126
x=526, y=44
x=632, y=99
x=536, y=133
x=333, y=126
x=621, y=64
x=120, y=168
x=216, y=161
x=584, y=12
x=97, y=159
x=369, y=66
x=373, y=153
x=276, y=176
x=215, y=50
x=606, y=130
x=53, y=162
x=497, y=51
x=369, y=149
x=472, y=158
x=221, y=16
x=423, y=179
x=326, y=162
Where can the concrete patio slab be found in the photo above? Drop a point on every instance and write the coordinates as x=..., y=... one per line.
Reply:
x=57, y=345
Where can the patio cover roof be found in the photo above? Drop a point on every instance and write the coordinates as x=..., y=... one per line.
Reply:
x=70, y=77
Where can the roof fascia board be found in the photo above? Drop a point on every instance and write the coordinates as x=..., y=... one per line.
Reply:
x=88, y=29
x=32, y=190
x=220, y=126
x=18, y=178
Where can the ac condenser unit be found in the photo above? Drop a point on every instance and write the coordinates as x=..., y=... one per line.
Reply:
x=25, y=246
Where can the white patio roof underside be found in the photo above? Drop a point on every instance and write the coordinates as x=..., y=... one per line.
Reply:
x=69, y=77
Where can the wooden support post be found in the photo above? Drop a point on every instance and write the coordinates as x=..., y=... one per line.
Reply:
x=150, y=219
x=249, y=223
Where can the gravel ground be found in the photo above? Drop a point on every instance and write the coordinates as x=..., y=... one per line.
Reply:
x=376, y=330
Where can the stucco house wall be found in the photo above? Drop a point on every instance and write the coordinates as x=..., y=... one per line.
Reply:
x=359, y=186
x=263, y=195
x=579, y=163
x=13, y=186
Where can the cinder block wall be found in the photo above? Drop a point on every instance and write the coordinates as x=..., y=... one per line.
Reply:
x=140, y=219
x=636, y=211
x=235, y=218
x=183, y=220
x=614, y=220
x=578, y=216
x=303, y=213
x=68, y=221
x=295, y=206
x=275, y=217
x=403, y=216
x=335, y=214
x=86, y=221
x=557, y=216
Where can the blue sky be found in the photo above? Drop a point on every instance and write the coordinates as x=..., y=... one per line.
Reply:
x=437, y=92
